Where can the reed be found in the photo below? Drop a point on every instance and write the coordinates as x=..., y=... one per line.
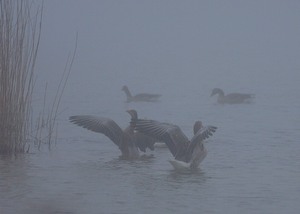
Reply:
x=45, y=129
x=20, y=30
x=19, y=41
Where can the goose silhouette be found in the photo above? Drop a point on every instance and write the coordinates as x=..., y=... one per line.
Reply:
x=129, y=141
x=233, y=98
x=142, y=97
x=187, y=153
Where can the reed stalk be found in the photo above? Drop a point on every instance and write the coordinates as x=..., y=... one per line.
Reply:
x=45, y=131
x=20, y=30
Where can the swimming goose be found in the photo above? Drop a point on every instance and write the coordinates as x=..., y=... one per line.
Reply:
x=233, y=98
x=187, y=153
x=128, y=141
x=143, y=97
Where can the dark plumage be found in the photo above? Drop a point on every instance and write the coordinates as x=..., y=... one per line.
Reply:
x=191, y=151
x=143, y=97
x=233, y=98
x=128, y=140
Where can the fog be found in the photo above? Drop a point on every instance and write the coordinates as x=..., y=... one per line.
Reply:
x=182, y=50
x=176, y=44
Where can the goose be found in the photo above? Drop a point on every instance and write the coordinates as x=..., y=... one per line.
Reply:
x=233, y=98
x=188, y=154
x=143, y=97
x=128, y=140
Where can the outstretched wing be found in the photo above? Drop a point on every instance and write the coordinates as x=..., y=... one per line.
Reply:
x=172, y=135
x=144, y=141
x=201, y=135
x=102, y=125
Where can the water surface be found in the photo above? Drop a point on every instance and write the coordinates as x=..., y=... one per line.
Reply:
x=182, y=51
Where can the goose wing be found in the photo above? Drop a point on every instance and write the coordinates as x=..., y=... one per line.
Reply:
x=146, y=97
x=144, y=141
x=171, y=134
x=240, y=96
x=201, y=135
x=102, y=125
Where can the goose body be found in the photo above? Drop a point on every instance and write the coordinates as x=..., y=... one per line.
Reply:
x=129, y=141
x=187, y=153
x=233, y=98
x=142, y=97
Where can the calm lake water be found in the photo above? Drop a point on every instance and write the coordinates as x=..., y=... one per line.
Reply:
x=181, y=51
x=252, y=164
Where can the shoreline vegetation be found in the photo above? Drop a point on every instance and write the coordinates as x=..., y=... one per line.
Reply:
x=20, y=32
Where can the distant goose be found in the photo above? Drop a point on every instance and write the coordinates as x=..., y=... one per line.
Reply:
x=143, y=97
x=128, y=141
x=187, y=153
x=233, y=98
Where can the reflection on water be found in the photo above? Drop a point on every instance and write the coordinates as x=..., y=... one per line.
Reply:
x=14, y=176
x=191, y=176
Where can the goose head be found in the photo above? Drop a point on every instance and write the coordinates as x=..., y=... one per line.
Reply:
x=197, y=126
x=133, y=114
x=217, y=91
x=124, y=88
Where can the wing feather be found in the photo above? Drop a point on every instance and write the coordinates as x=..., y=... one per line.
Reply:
x=102, y=125
x=165, y=132
x=203, y=134
x=144, y=141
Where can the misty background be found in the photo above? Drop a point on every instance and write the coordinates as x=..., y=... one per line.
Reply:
x=175, y=48
x=182, y=50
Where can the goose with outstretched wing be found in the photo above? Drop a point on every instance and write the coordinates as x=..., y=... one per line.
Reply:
x=187, y=153
x=128, y=140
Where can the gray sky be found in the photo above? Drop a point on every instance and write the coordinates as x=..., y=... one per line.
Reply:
x=183, y=40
